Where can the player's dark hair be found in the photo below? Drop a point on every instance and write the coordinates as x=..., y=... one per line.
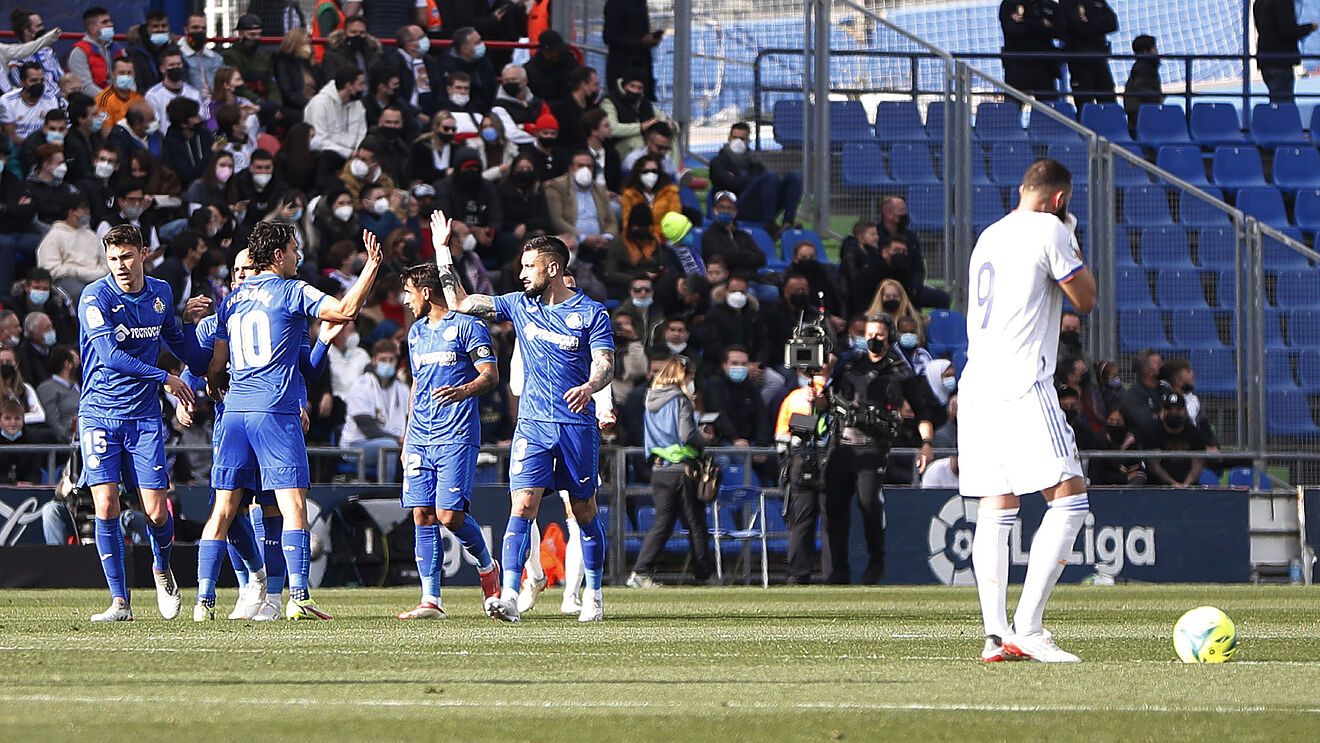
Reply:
x=60, y=355
x=423, y=276
x=266, y=239
x=123, y=235
x=551, y=246
x=1047, y=176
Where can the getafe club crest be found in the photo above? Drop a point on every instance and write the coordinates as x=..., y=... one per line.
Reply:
x=158, y=306
x=574, y=321
x=451, y=333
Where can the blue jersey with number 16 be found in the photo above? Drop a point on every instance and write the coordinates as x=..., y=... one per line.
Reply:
x=265, y=323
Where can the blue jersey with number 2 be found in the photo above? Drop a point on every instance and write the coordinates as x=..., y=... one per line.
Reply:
x=265, y=323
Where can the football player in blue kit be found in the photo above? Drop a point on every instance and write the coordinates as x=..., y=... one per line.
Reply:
x=249, y=549
x=452, y=365
x=568, y=349
x=123, y=318
x=260, y=329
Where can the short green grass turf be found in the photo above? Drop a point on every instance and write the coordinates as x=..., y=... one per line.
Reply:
x=674, y=665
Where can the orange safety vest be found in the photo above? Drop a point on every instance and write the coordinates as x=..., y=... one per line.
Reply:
x=538, y=19
x=318, y=50
x=433, y=22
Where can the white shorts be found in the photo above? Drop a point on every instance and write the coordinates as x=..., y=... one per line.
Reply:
x=1016, y=446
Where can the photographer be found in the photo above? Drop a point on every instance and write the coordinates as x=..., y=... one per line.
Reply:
x=867, y=393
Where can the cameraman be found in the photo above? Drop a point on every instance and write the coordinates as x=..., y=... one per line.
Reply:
x=803, y=472
x=867, y=392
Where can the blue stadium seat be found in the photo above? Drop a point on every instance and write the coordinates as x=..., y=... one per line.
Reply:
x=1277, y=124
x=1042, y=129
x=1226, y=289
x=1184, y=161
x=1304, y=328
x=1166, y=247
x=1265, y=203
x=1216, y=371
x=1214, y=124
x=999, y=122
x=767, y=246
x=1073, y=155
x=1146, y=206
x=1180, y=290
x=1296, y=168
x=1127, y=173
x=689, y=199
x=1280, y=257
x=1197, y=212
x=1288, y=413
x=899, y=121
x=935, y=121
x=1009, y=161
x=1307, y=209
x=1308, y=372
x=1274, y=330
x=1109, y=120
x=1123, y=250
x=926, y=207
x=1132, y=289
x=1141, y=328
x=1278, y=369
x=1297, y=289
x=1079, y=203
x=1237, y=167
x=1216, y=248
x=987, y=204
x=1240, y=477
x=946, y=333
x=791, y=238
x=911, y=163
x=1162, y=123
x=848, y=123
x=863, y=166
x=1195, y=329
x=787, y=120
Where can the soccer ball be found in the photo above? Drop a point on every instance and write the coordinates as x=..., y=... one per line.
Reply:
x=1205, y=635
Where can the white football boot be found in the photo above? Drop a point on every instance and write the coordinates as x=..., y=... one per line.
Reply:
x=1038, y=646
x=169, y=599
x=505, y=610
x=531, y=589
x=118, y=612
x=593, y=606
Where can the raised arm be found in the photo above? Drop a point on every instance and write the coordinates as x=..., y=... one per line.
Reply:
x=480, y=305
x=346, y=309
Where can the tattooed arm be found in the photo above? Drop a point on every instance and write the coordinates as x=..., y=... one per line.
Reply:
x=481, y=305
x=602, y=373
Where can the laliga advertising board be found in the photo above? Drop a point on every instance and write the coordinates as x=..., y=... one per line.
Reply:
x=1135, y=534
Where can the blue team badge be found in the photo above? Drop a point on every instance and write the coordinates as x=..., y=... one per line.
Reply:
x=450, y=333
x=574, y=321
x=158, y=306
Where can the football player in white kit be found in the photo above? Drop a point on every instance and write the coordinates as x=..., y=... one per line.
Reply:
x=1012, y=437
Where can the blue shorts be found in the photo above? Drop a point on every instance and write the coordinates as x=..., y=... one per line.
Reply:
x=439, y=476
x=267, y=443
x=116, y=451
x=555, y=456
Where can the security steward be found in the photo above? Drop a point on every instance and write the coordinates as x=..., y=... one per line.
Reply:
x=866, y=393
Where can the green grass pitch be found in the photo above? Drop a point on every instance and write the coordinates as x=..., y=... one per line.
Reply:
x=673, y=665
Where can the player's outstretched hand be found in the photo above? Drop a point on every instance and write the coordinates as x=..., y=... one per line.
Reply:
x=329, y=331
x=374, y=254
x=180, y=390
x=196, y=309
x=578, y=398
x=451, y=394
x=440, y=229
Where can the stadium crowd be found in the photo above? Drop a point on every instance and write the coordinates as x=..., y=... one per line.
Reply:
x=196, y=145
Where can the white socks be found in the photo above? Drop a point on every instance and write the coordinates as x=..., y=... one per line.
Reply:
x=990, y=562
x=574, y=572
x=1049, y=553
x=534, y=569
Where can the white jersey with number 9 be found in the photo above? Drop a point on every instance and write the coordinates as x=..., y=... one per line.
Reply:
x=1015, y=303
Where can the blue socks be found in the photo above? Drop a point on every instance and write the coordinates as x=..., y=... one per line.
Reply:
x=593, y=552
x=162, y=543
x=236, y=560
x=110, y=546
x=297, y=544
x=515, y=552
x=272, y=529
x=430, y=550
x=469, y=535
x=210, y=553
x=243, y=539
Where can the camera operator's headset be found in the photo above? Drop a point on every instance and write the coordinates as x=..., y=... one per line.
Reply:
x=890, y=325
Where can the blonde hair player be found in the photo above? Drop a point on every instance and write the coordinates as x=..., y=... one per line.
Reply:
x=1021, y=269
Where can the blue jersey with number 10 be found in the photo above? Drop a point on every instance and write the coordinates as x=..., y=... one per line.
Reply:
x=265, y=323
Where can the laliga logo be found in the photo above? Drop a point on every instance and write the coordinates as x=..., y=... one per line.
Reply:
x=16, y=520
x=1108, y=548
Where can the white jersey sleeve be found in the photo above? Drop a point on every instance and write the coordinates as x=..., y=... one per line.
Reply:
x=1014, y=303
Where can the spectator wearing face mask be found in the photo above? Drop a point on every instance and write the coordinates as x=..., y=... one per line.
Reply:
x=468, y=267
x=46, y=182
x=19, y=468
x=1140, y=403
x=551, y=162
x=629, y=109
x=213, y=186
x=188, y=144
x=526, y=211
x=629, y=356
x=374, y=212
x=1070, y=335
x=14, y=387
x=70, y=252
x=1071, y=404
x=23, y=109
x=911, y=344
x=497, y=152
x=580, y=208
x=942, y=380
x=468, y=56
x=336, y=221
x=640, y=305
x=648, y=184
x=895, y=222
x=726, y=241
x=735, y=319
x=583, y=97
x=79, y=152
x=1179, y=375
x=636, y=255
x=1116, y=437
x=363, y=168
x=378, y=410
x=172, y=85
x=765, y=195
x=550, y=70
x=337, y=117
x=797, y=302
x=469, y=198
x=138, y=130
x=248, y=58
x=516, y=105
x=121, y=93
x=946, y=436
x=39, y=295
x=34, y=350
x=1074, y=374
x=1109, y=383
x=259, y=186
x=1174, y=432
x=54, y=130
x=822, y=277
x=744, y=420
